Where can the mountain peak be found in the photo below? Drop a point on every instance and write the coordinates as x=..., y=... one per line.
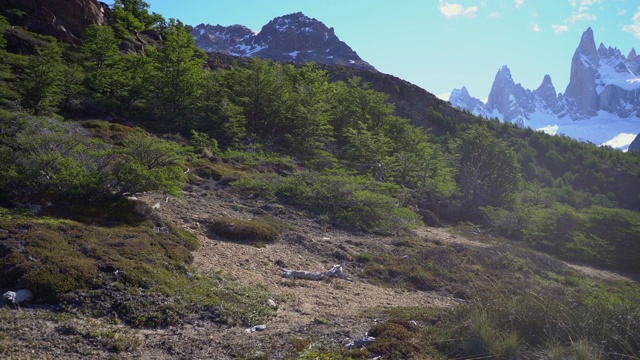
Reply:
x=546, y=83
x=632, y=54
x=293, y=37
x=504, y=72
x=587, y=44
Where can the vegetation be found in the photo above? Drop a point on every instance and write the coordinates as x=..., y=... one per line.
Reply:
x=333, y=151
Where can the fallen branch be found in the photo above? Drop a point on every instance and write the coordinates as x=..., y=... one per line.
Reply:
x=336, y=270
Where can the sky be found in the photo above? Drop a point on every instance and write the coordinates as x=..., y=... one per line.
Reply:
x=440, y=45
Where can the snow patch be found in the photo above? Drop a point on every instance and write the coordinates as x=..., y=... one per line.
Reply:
x=549, y=129
x=293, y=54
x=601, y=129
x=620, y=141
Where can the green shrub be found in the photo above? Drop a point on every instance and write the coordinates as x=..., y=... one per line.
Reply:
x=263, y=230
x=394, y=340
x=50, y=160
x=356, y=203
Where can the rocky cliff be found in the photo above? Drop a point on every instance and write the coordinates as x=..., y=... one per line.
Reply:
x=62, y=19
x=290, y=38
x=635, y=144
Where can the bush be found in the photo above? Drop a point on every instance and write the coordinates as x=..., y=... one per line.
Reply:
x=48, y=160
x=254, y=231
x=356, y=203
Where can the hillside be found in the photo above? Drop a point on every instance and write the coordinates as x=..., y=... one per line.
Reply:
x=154, y=196
x=315, y=318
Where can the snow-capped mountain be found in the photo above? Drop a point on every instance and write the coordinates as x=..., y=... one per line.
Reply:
x=601, y=103
x=290, y=38
x=462, y=99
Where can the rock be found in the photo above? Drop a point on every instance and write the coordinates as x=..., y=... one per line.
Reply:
x=462, y=99
x=361, y=342
x=256, y=328
x=635, y=144
x=17, y=297
x=290, y=38
x=547, y=93
x=510, y=99
x=63, y=19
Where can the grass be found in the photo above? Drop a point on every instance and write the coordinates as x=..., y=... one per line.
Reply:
x=70, y=261
x=520, y=304
x=253, y=231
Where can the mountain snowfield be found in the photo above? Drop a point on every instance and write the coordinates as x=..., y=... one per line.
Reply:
x=601, y=104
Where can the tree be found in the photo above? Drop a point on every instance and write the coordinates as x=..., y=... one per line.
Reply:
x=131, y=16
x=179, y=77
x=488, y=170
x=416, y=162
x=308, y=130
x=42, y=85
x=5, y=70
x=147, y=163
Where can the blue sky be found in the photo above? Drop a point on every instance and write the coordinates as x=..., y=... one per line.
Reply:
x=444, y=44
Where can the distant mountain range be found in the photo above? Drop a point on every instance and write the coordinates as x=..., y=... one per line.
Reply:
x=290, y=38
x=601, y=103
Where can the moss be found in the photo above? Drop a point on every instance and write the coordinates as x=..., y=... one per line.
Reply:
x=109, y=132
x=264, y=230
x=396, y=340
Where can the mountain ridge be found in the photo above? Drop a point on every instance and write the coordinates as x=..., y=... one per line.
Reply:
x=290, y=38
x=601, y=94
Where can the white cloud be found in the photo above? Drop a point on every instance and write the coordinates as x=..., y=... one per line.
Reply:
x=634, y=28
x=444, y=96
x=580, y=17
x=535, y=28
x=621, y=12
x=519, y=3
x=559, y=29
x=494, y=15
x=454, y=10
x=535, y=14
x=590, y=2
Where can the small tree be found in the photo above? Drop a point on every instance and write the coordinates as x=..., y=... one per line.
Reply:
x=42, y=86
x=147, y=163
x=488, y=170
x=179, y=76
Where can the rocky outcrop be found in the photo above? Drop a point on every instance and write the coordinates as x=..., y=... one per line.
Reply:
x=291, y=38
x=547, y=94
x=65, y=20
x=510, y=99
x=635, y=144
x=464, y=100
x=582, y=87
x=218, y=38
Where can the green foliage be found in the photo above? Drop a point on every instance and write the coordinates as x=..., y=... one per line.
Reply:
x=177, y=77
x=146, y=163
x=595, y=235
x=131, y=16
x=42, y=86
x=254, y=231
x=204, y=144
x=352, y=202
x=487, y=168
x=50, y=160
